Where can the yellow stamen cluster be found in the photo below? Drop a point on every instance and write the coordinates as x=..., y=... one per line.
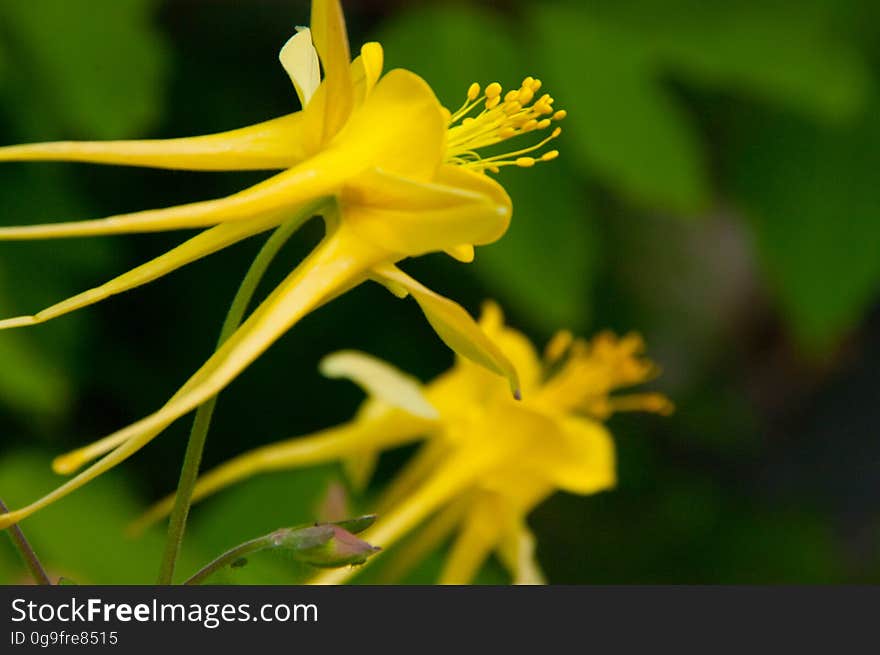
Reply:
x=502, y=117
x=583, y=375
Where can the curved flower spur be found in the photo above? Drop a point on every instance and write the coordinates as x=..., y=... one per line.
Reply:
x=485, y=461
x=393, y=174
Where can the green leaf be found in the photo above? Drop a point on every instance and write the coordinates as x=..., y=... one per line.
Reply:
x=92, y=69
x=29, y=382
x=812, y=196
x=544, y=267
x=771, y=53
x=625, y=125
x=805, y=60
x=82, y=536
x=609, y=63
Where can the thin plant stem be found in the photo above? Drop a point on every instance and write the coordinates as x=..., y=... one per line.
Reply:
x=27, y=552
x=227, y=559
x=198, y=434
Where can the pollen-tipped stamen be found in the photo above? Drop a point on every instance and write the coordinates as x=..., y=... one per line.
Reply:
x=502, y=117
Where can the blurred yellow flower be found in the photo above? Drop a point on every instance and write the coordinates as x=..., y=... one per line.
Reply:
x=392, y=172
x=486, y=460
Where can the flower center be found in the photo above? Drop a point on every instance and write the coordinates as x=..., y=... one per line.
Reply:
x=501, y=118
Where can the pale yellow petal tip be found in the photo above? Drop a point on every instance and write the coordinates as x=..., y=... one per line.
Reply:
x=68, y=463
x=380, y=380
x=373, y=58
x=464, y=253
x=300, y=60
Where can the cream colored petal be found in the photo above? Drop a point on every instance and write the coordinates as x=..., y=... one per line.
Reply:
x=300, y=60
x=206, y=243
x=380, y=380
x=453, y=325
x=391, y=429
x=274, y=144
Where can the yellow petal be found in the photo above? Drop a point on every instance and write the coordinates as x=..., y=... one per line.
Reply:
x=300, y=60
x=479, y=535
x=387, y=430
x=450, y=480
x=400, y=128
x=206, y=243
x=126, y=450
x=578, y=457
x=418, y=468
x=380, y=380
x=331, y=41
x=416, y=216
x=336, y=265
x=366, y=70
x=316, y=178
x=360, y=468
x=454, y=325
x=463, y=253
x=274, y=144
x=424, y=542
x=517, y=551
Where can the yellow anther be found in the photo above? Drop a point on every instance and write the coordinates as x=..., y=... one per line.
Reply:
x=559, y=115
x=525, y=96
x=541, y=108
x=493, y=90
x=511, y=107
x=503, y=117
x=555, y=133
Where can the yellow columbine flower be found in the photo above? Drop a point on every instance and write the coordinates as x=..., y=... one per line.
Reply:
x=486, y=460
x=392, y=172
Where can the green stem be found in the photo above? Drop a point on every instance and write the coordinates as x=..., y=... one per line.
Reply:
x=228, y=559
x=195, y=447
x=27, y=552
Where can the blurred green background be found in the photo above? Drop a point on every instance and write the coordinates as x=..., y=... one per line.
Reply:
x=717, y=191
